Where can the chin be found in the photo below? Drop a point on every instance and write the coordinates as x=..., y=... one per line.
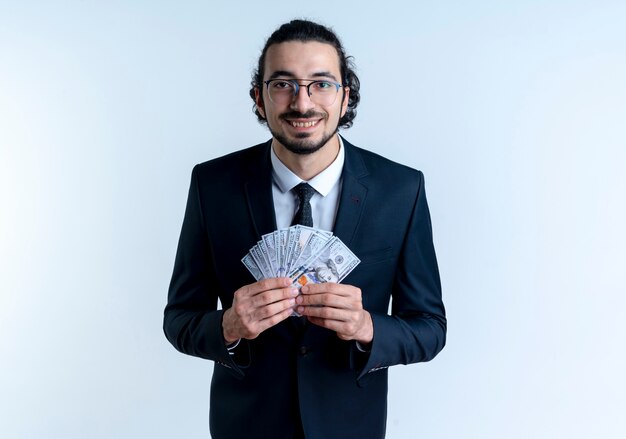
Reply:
x=302, y=148
x=302, y=144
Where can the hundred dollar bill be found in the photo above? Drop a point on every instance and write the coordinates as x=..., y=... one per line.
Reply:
x=290, y=252
x=282, y=248
x=257, y=255
x=252, y=267
x=268, y=247
x=332, y=263
x=306, y=250
x=292, y=237
x=304, y=242
x=266, y=257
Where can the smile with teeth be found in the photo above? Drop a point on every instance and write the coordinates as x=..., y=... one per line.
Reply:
x=303, y=124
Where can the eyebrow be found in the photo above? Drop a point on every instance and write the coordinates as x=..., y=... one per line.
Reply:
x=287, y=73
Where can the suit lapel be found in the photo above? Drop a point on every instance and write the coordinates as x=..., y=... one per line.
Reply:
x=259, y=195
x=353, y=195
x=261, y=205
x=351, y=201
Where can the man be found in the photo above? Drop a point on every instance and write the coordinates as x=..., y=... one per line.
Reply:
x=278, y=376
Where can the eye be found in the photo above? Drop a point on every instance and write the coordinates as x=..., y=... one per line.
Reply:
x=281, y=85
x=323, y=85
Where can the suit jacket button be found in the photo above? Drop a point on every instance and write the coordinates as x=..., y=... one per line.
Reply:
x=303, y=350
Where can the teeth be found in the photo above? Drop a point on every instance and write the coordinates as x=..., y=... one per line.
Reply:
x=303, y=124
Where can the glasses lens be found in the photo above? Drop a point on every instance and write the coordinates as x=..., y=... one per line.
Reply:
x=323, y=92
x=283, y=92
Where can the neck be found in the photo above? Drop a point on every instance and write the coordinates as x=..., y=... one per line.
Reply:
x=307, y=166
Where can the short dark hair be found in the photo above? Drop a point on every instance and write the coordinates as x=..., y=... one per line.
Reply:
x=304, y=31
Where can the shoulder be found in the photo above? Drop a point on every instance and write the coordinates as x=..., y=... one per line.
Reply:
x=235, y=164
x=376, y=166
x=236, y=159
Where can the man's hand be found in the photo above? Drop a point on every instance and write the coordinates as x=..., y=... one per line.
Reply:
x=257, y=307
x=339, y=308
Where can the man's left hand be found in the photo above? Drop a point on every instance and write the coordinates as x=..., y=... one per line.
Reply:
x=337, y=307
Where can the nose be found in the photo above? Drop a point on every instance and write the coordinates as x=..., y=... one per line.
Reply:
x=301, y=101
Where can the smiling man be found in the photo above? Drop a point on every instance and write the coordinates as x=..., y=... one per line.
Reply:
x=323, y=375
x=303, y=122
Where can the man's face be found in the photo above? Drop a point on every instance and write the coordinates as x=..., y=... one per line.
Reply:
x=301, y=125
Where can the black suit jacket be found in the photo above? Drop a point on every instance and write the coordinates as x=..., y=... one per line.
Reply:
x=338, y=391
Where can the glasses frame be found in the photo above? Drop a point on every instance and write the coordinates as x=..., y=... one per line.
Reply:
x=297, y=86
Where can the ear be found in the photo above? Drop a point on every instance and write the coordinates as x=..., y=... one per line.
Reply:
x=346, y=99
x=258, y=99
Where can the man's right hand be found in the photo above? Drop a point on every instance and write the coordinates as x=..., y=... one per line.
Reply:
x=257, y=307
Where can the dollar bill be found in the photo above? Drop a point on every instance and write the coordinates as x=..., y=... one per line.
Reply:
x=252, y=267
x=282, y=249
x=268, y=247
x=307, y=246
x=302, y=253
x=332, y=263
x=259, y=259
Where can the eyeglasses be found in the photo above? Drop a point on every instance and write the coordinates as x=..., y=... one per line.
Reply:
x=282, y=91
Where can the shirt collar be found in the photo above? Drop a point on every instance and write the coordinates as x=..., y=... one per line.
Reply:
x=322, y=182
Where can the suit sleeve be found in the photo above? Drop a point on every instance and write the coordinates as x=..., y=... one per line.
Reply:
x=416, y=329
x=192, y=322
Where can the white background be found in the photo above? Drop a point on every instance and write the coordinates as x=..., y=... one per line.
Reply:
x=515, y=111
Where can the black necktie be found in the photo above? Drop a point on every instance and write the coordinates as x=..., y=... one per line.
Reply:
x=304, y=215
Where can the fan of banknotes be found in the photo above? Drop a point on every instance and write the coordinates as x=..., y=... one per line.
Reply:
x=301, y=253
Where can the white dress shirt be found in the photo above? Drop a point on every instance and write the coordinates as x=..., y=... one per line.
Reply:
x=324, y=202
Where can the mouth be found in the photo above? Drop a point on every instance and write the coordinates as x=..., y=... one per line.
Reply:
x=303, y=124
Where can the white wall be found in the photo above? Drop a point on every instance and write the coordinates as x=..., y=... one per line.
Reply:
x=515, y=111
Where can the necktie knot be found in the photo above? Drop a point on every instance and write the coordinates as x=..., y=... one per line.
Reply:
x=304, y=192
x=304, y=215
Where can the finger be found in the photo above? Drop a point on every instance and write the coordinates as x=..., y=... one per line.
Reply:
x=252, y=309
x=325, y=312
x=275, y=319
x=330, y=287
x=270, y=296
x=325, y=299
x=266, y=284
x=272, y=309
x=258, y=320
